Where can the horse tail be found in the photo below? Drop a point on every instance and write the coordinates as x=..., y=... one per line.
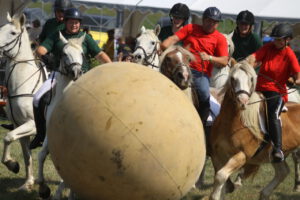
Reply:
x=250, y=170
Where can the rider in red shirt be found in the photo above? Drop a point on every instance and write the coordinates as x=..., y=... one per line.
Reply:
x=278, y=63
x=209, y=47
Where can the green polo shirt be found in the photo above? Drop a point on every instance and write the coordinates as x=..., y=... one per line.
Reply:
x=166, y=32
x=244, y=46
x=54, y=45
x=50, y=27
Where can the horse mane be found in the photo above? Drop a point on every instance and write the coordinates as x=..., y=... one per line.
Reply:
x=180, y=49
x=250, y=115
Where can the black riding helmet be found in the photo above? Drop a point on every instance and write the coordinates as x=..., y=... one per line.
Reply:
x=72, y=13
x=246, y=17
x=180, y=10
x=62, y=5
x=212, y=13
x=282, y=31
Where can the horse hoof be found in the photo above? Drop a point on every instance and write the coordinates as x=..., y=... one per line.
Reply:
x=13, y=166
x=44, y=191
x=229, y=186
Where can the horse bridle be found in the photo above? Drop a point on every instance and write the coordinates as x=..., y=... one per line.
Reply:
x=147, y=57
x=67, y=67
x=15, y=41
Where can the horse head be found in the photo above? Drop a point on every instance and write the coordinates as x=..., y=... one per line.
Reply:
x=147, y=47
x=242, y=82
x=175, y=65
x=11, y=33
x=72, y=57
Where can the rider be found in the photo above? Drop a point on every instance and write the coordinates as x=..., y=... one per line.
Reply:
x=209, y=47
x=53, y=44
x=278, y=63
x=57, y=23
x=179, y=15
x=245, y=41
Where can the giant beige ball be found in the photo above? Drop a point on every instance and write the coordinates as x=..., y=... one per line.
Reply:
x=125, y=132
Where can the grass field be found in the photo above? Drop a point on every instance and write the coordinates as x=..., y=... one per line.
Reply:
x=9, y=182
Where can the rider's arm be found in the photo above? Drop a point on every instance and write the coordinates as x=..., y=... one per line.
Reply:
x=220, y=61
x=252, y=61
x=169, y=42
x=103, y=57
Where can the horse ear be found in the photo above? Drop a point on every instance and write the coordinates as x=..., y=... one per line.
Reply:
x=157, y=29
x=62, y=38
x=9, y=19
x=232, y=62
x=230, y=34
x=143, y=29
x=81, y=39
x=22, y=20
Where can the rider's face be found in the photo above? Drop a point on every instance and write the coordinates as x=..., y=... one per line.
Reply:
x=244, y=28
x=59, y=15
x=280, y=43
x=209, y=25
x=73, y=26
x=177, y=22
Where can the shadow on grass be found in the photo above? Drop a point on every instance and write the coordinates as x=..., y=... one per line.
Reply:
x=9, y=189
x=292, y=196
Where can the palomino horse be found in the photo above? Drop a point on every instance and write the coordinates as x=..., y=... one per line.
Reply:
x=69, y=71
x=236, y=135
x=147, y=47
x=22, y=79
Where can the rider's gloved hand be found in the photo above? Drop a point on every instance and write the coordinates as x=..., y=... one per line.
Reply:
x=291, y=82
x=48, y=60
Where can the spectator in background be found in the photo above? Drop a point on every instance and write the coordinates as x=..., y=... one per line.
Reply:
x=110, y=46
x=35, y=31
x=124, y=51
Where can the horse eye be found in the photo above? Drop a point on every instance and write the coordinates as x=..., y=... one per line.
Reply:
x=13, y=33
x=153, y=43
x=252, y=79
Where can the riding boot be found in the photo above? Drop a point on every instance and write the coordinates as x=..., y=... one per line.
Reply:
x=276, y=137
x=40, y=123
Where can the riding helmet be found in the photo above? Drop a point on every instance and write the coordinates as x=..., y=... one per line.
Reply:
x=180, y=10
x=246, y=17
x=73, y=13
x=282, y=31
x=62, y=5
x=212, y=13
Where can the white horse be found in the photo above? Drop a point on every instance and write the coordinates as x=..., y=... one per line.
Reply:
x=22, y=79
x=220, y=74
x=147, y=48
x=69, y=71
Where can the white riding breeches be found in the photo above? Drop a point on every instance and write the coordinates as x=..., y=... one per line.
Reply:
x=47, y=86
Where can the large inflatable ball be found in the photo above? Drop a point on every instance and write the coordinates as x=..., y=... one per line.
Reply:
x=125, y=132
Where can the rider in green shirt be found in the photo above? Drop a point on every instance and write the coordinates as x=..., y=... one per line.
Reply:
x=72, y=19
x=179, y=15
x=55, y=24
x=245, y=41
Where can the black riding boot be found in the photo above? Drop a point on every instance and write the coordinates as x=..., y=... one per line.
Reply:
x=276, y=137
x=40, y=123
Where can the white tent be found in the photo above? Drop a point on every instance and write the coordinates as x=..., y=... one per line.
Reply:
x=11, y=6
x=136, y=10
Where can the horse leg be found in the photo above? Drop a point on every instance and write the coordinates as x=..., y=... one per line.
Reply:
x=281, y=172
x=58, y=193
x=28, y=164
x=24, y=130
x=296, y=158
x=44, y=190
x=232, y=165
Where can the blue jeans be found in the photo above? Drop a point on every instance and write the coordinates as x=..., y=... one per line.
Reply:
x=201, y=84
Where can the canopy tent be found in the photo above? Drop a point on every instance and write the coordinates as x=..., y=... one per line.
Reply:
x=134, y=11
x=11, y=6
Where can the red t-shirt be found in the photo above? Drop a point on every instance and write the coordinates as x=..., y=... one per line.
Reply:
x=276, y=68
x=197, y=41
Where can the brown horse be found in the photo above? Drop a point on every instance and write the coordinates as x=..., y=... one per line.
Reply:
x=236, y=135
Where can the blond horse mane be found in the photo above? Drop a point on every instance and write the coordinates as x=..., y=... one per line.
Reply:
x=250, y=115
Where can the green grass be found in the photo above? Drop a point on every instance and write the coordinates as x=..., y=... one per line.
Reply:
x=9, y=182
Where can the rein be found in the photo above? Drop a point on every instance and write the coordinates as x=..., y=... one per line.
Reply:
x=147, y=57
